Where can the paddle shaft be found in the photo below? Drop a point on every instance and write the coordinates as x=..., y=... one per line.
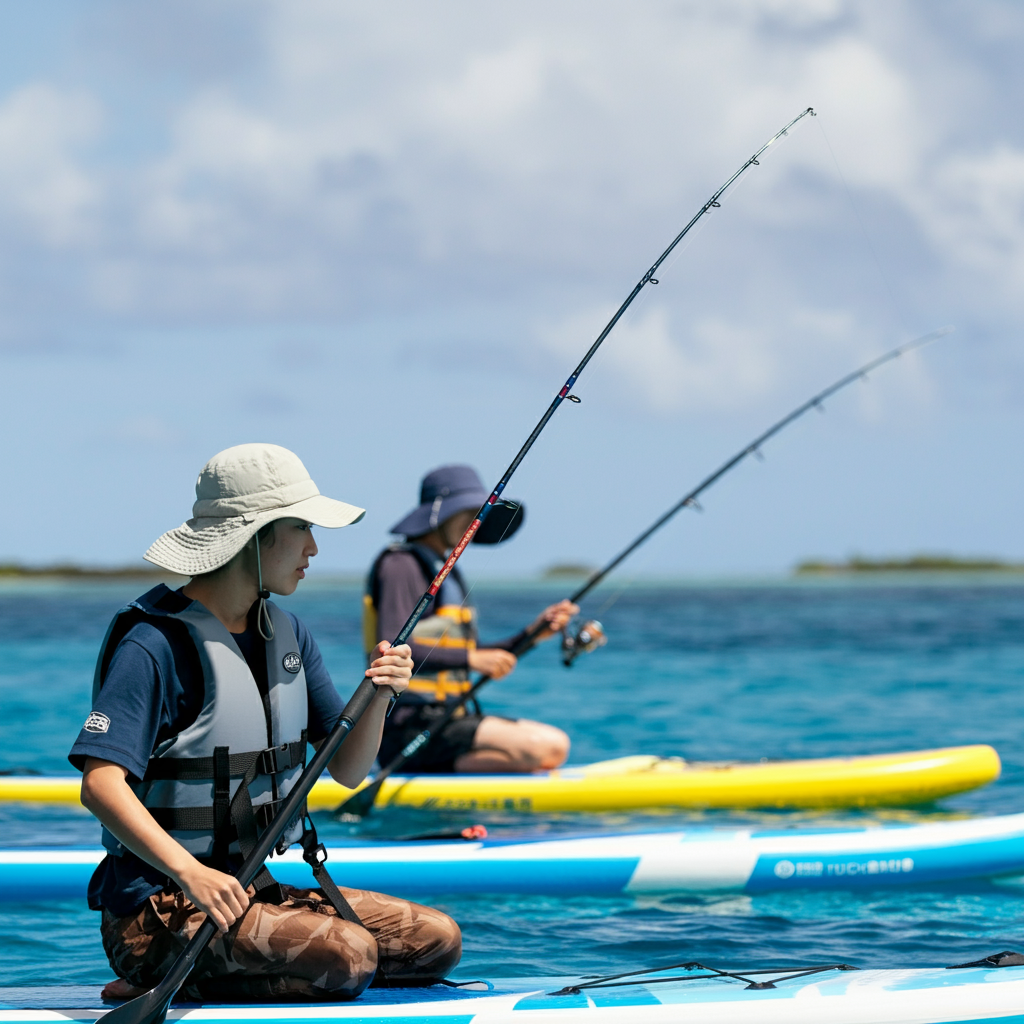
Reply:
x=152, y=1007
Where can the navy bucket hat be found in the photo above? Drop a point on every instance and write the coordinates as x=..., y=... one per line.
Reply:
x=446, y=491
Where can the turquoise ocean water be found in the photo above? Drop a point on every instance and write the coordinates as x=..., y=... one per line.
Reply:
x=706, y=672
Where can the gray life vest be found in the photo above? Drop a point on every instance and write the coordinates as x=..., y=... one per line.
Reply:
x=217, y=784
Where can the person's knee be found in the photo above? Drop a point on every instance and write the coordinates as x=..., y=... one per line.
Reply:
x=440, y=944
x=544, y=746
x=449, y=945
x=431, y=948
x=343, y=963
x=555, y=748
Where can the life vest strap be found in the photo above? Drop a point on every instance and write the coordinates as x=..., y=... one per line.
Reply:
x=270, y=761
x=204, y=818
x=441, y=687
x=315, y=855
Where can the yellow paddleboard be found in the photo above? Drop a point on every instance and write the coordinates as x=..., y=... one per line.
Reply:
x=632, y=783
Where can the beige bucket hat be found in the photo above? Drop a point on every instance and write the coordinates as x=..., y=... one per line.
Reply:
x=240, y=490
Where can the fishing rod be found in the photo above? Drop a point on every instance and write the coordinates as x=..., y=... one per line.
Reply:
x=754, y=448
x=591, y=634
x=151, y=1008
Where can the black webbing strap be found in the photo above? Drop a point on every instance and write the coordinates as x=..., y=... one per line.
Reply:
x=202, y=819
x=243, y=817
x=230, y=817
x=270, y=761
x=221, y=805
x=315, y=855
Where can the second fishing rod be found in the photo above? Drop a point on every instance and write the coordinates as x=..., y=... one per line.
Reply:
x=591, y=635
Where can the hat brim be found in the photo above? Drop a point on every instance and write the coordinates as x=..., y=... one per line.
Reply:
x=204, y=544
x=425, y=517
x=502, y=521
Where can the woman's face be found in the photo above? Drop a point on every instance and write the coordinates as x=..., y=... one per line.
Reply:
x=285, y=555
x=454, y=527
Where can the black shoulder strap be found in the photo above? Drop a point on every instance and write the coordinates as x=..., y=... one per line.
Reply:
x=133, y=615
x=426, y=560
x=373, y=579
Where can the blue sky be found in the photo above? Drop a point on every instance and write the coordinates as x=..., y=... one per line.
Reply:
x=383, y=234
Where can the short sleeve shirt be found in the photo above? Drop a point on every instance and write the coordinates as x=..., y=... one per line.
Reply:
x=153, y=690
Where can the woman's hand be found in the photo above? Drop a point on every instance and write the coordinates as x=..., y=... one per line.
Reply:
x=220, y=895
x=553, y=619
x=492, y=661
x=392, y=667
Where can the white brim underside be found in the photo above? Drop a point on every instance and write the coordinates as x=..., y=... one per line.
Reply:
x=202, y=545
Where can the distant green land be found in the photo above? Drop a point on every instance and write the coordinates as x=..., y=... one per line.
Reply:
x=13, y=570
x=567, y=571
x=915, y=563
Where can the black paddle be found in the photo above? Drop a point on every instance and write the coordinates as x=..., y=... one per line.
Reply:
x=151, y=1008
x=361, y=802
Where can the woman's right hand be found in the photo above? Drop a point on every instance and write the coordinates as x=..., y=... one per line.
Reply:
x=492, y=661
x=221, y=896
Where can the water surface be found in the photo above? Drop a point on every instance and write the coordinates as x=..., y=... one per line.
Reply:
x=705, y=672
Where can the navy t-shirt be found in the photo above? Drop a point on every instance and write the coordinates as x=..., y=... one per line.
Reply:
x=153, y=690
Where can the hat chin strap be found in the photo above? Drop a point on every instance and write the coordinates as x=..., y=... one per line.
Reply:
x=263, y=623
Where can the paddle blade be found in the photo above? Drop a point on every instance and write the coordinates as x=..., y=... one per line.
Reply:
x=148, y=1009
x=152, y=1007
x=359, y=804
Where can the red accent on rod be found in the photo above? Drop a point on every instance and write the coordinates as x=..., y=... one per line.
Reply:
x=564, y=391
x=453, y=558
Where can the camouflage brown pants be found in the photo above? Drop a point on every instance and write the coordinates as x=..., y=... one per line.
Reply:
x=300, y=949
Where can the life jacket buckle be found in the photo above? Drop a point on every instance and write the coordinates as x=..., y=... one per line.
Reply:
x=273, y=759
x=265, y=813
x=316, y=854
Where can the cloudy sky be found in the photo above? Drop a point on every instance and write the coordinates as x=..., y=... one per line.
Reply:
x=382, y=234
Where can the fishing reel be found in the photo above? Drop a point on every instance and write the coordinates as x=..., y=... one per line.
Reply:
x=587, y=638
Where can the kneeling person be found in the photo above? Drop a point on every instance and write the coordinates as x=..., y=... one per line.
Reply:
x=203, y=701
x=444, y=643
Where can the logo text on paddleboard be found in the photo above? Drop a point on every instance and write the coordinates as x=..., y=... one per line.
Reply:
x=818, y=869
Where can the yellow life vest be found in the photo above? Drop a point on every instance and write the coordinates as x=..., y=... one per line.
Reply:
x=449, y=625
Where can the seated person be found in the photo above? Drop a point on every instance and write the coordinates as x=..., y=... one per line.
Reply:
x=203, y=702
x=444, y=643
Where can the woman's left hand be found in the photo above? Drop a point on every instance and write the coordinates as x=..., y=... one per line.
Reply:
x=392, y=667
x=554, y=619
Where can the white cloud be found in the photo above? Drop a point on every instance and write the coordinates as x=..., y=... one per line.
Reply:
x=420, y=157
x=716, y=365
x=44, y=187
x=973, y=207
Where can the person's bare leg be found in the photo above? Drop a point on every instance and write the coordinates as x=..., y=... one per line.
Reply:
x=523, y=746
